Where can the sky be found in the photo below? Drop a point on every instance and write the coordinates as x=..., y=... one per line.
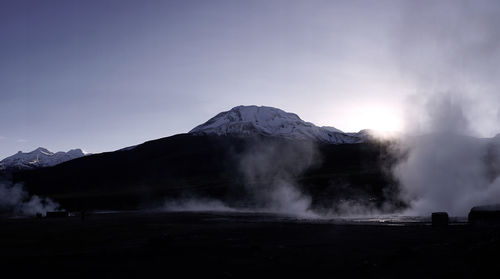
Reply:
x=105, y=74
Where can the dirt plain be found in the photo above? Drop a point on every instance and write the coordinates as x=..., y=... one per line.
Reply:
x=241, y=245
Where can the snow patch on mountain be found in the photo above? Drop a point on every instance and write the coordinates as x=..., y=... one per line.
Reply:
x=39, y=158
x=269, y=121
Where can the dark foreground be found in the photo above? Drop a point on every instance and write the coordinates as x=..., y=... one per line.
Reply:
x=236, y=245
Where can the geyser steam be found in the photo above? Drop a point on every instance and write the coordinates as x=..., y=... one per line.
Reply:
x=451, y=47
x=14, y=199
x=447, y=169
x=271, y=170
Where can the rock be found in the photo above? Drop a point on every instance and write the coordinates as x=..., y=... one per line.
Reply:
x=488, y=215
x=440, y=219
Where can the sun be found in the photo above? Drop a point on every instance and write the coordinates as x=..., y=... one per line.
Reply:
x=381, y=119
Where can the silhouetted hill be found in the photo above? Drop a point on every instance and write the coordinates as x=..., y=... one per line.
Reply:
x=210, y=166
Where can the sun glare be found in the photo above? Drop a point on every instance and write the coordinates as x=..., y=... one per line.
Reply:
x=380, y=119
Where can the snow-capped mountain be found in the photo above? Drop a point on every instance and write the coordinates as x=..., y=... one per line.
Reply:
x=269, y=121
x=38, y=158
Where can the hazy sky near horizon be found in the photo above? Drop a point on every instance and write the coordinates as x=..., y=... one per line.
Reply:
x=106, y=74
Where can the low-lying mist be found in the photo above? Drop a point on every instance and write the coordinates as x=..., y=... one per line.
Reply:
x=269, y=171
x=195, y=204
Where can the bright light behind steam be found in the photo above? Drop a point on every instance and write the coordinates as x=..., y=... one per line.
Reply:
x=378, y=118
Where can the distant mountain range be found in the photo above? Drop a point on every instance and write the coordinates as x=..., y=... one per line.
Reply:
x=240, y=121
x=237, y=157
x=38, y=158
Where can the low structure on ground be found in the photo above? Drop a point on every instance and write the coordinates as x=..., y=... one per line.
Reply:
x=485, y=215
x=440, y=219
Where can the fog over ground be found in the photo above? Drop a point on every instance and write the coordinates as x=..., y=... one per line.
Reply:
x=270, y=172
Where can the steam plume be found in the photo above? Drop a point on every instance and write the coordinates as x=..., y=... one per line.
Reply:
x=271, y=169
x=447, y=169
x=450, y=47
x=14, y=199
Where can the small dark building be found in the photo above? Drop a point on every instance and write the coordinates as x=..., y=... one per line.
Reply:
x=440, y=219
x=488, y=215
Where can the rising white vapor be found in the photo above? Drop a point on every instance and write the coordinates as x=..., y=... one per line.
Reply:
x=450, y=47
x=446, y=168
x=14, y=199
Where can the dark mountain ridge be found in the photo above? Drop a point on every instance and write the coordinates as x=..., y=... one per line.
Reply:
x=210, y=166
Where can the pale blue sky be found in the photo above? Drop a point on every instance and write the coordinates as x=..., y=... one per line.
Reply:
x=102, y=75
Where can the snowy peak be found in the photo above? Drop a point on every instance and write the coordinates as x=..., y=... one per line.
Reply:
x=269, y=121
x=39, y=158
x=41, y=150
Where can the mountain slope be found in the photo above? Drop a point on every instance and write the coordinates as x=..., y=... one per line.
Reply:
x=248, y=157
x=269, y=121
x=212, y=167
x=38, y=158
